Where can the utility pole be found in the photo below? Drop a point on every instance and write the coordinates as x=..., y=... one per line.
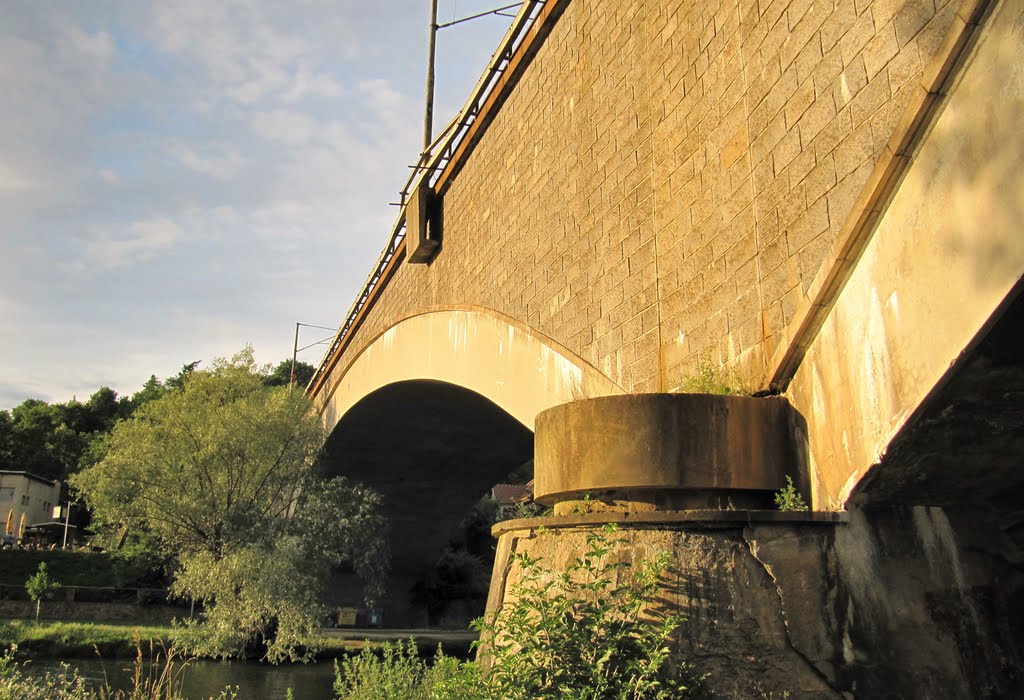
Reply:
x=295, y=352
x=67, y=520
x=296, y=349
x=428, y=118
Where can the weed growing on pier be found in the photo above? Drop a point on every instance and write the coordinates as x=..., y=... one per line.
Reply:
x=788, y=498
x=708, y=379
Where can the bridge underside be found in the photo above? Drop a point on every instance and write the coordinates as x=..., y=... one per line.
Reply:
x=431, y=449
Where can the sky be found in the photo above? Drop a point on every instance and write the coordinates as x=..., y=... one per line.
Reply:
x=181, y=178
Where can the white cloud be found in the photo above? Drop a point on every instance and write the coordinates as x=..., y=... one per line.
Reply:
x=97, y=47
x=285, y=126
x=306, y=83
x=222, y=166
x=12, y=180
x=109, y=176
x=178, y=178
x=382, y=96
x=135, y=243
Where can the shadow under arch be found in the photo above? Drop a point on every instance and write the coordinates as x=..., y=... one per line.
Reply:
x=432, y=449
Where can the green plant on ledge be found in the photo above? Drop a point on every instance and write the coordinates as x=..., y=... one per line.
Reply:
x=788, y=498
x=709, y=379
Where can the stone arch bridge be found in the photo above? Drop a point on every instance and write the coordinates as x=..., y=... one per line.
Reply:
x=820, y=200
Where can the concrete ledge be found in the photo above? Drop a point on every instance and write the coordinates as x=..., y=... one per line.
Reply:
x=701, y=519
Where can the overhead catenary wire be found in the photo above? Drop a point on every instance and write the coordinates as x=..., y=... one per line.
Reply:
x=496, y=11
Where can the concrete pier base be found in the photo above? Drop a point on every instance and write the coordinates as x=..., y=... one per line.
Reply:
x=900, y=603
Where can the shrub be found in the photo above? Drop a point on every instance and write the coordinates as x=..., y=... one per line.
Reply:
x=41, y=586
x=398, y=673
x=577, y=635
x=788, y=498
x=16, y=685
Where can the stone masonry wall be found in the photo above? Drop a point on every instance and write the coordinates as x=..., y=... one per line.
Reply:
x=668, y=175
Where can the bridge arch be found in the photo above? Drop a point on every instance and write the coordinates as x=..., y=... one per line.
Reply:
x=434, y=411
x=481, y=350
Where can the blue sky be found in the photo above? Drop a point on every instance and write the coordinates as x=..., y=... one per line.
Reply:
x=180, y=178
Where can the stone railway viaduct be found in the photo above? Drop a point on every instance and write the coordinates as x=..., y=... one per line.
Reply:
x=815, y=199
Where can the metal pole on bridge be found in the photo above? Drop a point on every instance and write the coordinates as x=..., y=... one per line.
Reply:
x=428, y=118
x=295, y=352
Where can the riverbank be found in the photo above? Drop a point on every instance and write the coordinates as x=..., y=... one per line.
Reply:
x=81, y=640
x=119, y=640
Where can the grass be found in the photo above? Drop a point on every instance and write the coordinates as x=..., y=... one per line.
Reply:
x=79, y=640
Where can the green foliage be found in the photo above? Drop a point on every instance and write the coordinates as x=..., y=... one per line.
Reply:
x=281, y=375
x=529, y=509
x=156, y=677
x=463, y=571
x=15, y=684
x=41, y=586
x=220, y=473
x=205, y=467
x=66, y=640
x=75, y=568
x=257, y=599
x=57, y=440
x=398, y=673
x=585, y=505
x=709, y=379
x=581, y=635
x=788, y=498
x=458, y=575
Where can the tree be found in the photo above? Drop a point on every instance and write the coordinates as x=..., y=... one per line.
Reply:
x=7, y=438
x=34, y=423
x=281, y=375
x=151, y=390
x=221, y=472
x=178, y=380
x=41, y=587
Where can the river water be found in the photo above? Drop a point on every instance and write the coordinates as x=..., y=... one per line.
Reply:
x=205, y=679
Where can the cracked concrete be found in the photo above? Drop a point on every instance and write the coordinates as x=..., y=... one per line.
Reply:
x=752, y=547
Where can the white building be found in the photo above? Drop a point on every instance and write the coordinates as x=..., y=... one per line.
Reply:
x=22, y=493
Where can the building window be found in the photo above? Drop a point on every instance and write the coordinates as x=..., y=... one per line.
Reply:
x=25, y=500
x=46, y=506
x=6, y=494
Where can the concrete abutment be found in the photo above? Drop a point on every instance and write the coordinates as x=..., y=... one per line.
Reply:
x=871, y=604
